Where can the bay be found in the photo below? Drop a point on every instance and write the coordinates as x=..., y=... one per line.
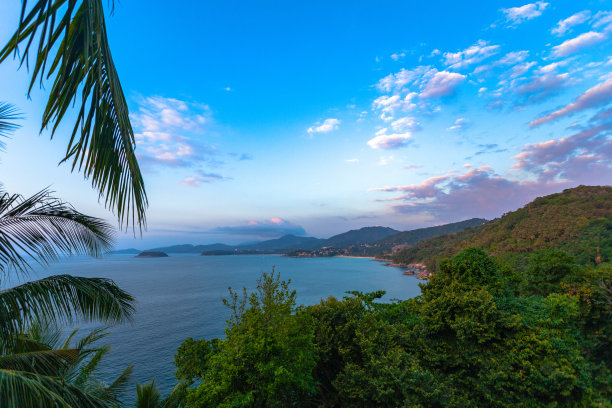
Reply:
x=181, y=296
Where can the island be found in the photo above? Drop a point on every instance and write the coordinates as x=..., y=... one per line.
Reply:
x=151, y=254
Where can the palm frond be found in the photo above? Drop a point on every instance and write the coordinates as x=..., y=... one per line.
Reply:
x=8, y=116
x=112, y=394
x=83, y=373
x=60, y=299
x=42, y=227
x=23, y=389
x=73, y=46
x=45, y=362
x=148, y=395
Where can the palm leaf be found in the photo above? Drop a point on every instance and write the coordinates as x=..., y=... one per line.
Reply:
x=61, y=299
x=23, y=389
x=45, y=362
x=112, y=394
x=148, y=395
x=8, y=115
x=43, y=227
x=73, y=46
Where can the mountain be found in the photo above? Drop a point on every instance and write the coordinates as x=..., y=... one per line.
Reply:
x=193, y=249
x=577, y=220
x=363, y=236
x=285, y=243
x=412, y=237
x=126, y=251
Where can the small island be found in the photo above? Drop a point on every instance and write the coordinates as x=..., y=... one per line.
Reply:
x=152, y=254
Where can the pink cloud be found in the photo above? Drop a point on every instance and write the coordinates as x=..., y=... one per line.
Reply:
x=577, y=44
x=599, y=95
x=443, y=83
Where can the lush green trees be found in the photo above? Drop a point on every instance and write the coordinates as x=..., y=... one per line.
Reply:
x=475, y=337
x=266, y=358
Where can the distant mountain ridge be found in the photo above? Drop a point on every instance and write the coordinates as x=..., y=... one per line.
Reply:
x=577, y=220
x=363, y=241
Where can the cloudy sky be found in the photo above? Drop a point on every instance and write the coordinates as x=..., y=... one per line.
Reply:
x=256, y=119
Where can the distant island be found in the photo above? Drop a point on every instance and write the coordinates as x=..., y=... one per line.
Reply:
x=152, y=254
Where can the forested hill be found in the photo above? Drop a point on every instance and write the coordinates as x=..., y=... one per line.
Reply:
x=412, y=237
x=361, y=236
x=577, y=220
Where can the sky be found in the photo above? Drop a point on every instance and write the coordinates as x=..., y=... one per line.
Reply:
x=259, y=119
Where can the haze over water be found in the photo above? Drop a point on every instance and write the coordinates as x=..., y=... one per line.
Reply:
x=181, y=296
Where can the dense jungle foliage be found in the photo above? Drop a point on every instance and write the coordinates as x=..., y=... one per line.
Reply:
x=577, y=220
x=481, y=334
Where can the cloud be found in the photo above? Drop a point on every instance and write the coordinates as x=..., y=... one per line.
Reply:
x=471, y=55
x=577, y=44
x=274, y=227
x=599, y=95
x=389, y=141
x=603, y=19
x=541, y=87
x=558, y=158
x=202, y=177
x=328, y=125
x=397, y=56
x=584, y=157
x=565, y=26
x=443, y=83
x=402, y=78
x=352, y=160
x=518, y=15
x=168, y=132
x=459, y=124
x=406, y=124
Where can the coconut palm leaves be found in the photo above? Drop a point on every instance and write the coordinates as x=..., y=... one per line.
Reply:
x=73, y=46
x=61, y=299
x=41, y=371
x=8, y=115
x=42, y=227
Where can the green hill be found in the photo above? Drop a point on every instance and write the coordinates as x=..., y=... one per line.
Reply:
x=412, y=237
x=361, y=236
x=578, y=220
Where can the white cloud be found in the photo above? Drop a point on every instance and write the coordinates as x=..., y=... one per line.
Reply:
x=471, y=55
x=397, y=56
x=599, y=95
x=564, y=26
x=442, y=83
x=389, y=141
x=459, y=124
x=577, y=44
x=603, y=19
x=518, y=15
x=352, y=160
x=402, y=78
x=328, y=125
x=404, y=124
x=167, y=132
x=384, y=160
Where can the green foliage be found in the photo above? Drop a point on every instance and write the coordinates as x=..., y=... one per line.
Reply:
x=479, y=335
x=266, y=358
x=578, y=221
x=547, y=269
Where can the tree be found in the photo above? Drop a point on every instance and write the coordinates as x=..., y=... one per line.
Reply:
x=267, y=357
x=43, y=227
x=73, y=47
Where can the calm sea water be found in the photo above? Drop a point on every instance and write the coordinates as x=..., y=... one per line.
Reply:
x=180, y=297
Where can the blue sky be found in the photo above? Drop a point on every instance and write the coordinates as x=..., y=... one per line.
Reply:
x=255, y=119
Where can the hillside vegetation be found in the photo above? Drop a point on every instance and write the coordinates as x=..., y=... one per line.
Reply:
x=577, y=220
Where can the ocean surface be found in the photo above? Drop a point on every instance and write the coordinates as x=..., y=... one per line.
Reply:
x=180, y=297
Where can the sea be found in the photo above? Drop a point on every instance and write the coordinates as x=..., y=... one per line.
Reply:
x=181, y=296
